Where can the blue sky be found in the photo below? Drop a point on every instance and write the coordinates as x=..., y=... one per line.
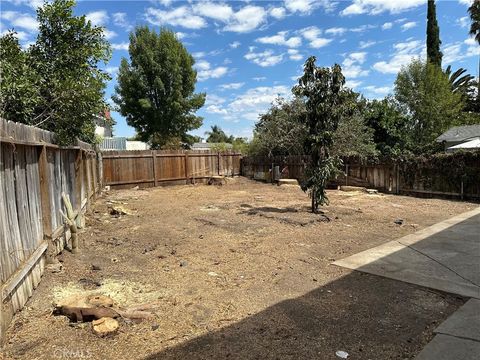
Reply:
x=249, y=52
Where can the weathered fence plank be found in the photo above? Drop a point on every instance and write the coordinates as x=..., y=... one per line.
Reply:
x=34, y=171
x=151, y=168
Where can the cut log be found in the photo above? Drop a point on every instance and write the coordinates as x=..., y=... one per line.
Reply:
x=78, y=314
x=104, y=326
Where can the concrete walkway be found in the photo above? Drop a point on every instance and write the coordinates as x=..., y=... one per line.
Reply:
x=446, y=257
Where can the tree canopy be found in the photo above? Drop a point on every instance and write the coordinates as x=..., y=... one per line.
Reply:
x=425, y=93
x=155, y=90
x=474, y=11
x=56, y=84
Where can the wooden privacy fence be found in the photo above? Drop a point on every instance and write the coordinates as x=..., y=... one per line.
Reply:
x=419, y=177
x=160, y=167
x=34, y=172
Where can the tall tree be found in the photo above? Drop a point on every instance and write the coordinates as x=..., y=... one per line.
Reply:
x=434, y=55
x=322, y=88
x=474, y=11
x=155, y=91
x=425, y=93
x=62, y=84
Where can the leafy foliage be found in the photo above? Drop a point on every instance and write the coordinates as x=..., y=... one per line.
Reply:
x=281, y=130
x=390, y=127
x=217, y=135
x=323, y=90
x=19, y=84
x=155, y=91
x=57, y=83
x=434, y=55
x=425, y=95
x=474, y=11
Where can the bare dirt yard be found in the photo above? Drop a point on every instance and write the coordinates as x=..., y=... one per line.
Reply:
x=240, y=271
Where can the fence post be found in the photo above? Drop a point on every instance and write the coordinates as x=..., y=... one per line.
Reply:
x=78, y=184
x=154, y=157
x=186, y=168
x=346, y=174
x=45, y=195
x=218, y=162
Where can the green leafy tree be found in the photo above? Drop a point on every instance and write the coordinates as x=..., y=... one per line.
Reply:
x=19, y=84
x=474, y=11
x=324, y=96
x=353, y=137
x=155, y=91
x=281, y=130
x=434, y=55
x=57, y=84
x=217, y=135
x=391, y=127
x=425, y=94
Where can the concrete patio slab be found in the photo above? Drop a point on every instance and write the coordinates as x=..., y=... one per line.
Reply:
x=444, y=256
x=444, y=347
x=464, y=323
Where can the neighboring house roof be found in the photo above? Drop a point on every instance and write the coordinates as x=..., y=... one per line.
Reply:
x=207, y=146
x=471, y=144
x=460, y=133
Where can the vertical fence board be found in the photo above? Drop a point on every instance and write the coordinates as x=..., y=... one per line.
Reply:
x=33, y=174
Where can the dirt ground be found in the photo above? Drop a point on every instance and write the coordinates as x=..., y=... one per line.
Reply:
x=240, y=271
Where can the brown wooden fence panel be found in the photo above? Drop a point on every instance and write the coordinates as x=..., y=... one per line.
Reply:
x=427, y=180
x=160, y=167
x=34, y=172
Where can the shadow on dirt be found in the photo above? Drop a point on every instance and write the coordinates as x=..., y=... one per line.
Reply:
x=368, y=316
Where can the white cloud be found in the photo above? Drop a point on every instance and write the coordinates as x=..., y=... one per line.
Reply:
x=409, y=25
x=181, y=16
x=34, y=4
x=403, y=54
x=181, y=35
x=281, y=39
x=120, y=20
x=215, y=109
x=366, y=44
x=98, y=18
x=21, y=35
x=247, y=19
x=235, y=44
x=456, y=51
x=232, y=86
x=466, y=2
x=120, y=46
x=374, y=7
x=464, y=22
x=19, y=20
x=259, y=78
x=109, y=34
x=205, y=71
x=312, y=34
x=255, y=101
x=387, y=25
x=213, y=99
x=378, y=90
x=294, y=55
x=336, y=31
x=277, y=12
x=216, y=11
x=352, y=84
x=307, y=6
x=351, y=65
x=112, y=70
x=265, y=58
